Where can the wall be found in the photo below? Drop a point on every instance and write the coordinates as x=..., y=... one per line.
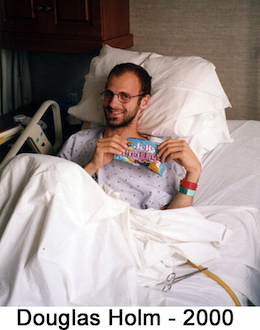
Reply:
x=226, y=32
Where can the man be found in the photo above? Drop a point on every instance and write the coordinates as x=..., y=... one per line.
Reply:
x=127, y=94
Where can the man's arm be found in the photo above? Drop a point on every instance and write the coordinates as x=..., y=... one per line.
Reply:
x=180, y=152
x=105, y=150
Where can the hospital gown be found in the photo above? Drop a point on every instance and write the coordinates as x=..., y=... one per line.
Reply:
x=138, y=185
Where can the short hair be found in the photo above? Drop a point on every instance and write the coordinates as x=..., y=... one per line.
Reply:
x=140, y=72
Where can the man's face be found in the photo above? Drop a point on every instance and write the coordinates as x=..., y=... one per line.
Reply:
x=122, y=114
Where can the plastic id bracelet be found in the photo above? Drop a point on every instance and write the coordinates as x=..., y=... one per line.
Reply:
x=189, y=185
x=187, y=192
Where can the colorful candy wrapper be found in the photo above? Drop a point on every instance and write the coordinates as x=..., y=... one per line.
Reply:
x=142, y=152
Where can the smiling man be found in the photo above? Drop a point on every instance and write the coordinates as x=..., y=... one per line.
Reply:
x=126, y=95
x=124, y=98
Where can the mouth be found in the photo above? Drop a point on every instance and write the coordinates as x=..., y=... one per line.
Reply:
x=114, y=112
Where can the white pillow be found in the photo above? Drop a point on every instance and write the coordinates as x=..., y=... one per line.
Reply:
x=187, y=100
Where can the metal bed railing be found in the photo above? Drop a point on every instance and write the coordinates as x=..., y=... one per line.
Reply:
x=29, y=131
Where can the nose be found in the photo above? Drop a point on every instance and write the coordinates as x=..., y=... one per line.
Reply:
x=114, y=102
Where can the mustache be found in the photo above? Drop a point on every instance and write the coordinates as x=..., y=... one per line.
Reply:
x=109, y=108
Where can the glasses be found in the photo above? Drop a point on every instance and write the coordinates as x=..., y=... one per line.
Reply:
x=122, y=97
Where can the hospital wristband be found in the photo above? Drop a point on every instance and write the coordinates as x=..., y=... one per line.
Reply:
x=189, y=185
x=187, y=192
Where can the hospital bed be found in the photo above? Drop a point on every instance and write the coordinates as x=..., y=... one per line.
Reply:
x=67, y=241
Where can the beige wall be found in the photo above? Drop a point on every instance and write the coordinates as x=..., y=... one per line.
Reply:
x=226, y=32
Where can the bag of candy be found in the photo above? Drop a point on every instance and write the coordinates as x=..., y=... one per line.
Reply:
x=142, y=152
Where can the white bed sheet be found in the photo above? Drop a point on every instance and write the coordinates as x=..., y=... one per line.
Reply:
x=230, y=177
x=231, y=172
x=50, y=256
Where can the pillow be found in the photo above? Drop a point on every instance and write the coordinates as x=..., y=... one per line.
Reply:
x=187, y=100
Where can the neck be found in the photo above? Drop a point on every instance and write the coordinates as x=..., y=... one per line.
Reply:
x=124, y=132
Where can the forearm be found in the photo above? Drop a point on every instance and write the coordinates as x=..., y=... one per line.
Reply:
x=182, y=200
x=90, y=169
x=179, y=201
x=180, y=152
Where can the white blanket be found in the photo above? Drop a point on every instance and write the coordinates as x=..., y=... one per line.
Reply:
x=67, y=241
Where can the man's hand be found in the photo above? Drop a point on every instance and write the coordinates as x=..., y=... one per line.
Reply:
x=105, y=150
x=181, y=153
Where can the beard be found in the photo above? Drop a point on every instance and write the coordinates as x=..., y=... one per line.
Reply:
x=125, y=121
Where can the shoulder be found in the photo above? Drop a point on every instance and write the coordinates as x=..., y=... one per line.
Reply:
x=88, y=133
x=87, y=137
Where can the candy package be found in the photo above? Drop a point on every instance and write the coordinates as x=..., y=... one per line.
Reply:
x=142, y=152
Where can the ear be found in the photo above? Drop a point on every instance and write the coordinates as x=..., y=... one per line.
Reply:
x=144, y=101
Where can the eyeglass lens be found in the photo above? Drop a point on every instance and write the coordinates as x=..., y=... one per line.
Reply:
x=122, y=97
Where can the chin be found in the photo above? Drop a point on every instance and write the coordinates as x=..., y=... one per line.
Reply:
x=117, y=125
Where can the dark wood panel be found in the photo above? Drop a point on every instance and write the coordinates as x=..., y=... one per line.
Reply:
x=50, y=25
x=62, y=44
x=115, y=18
x=83, y=20
x=19, y=16
x=19, y=9
x=68, y=10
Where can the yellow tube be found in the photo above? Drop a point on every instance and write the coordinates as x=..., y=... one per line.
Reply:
x=219, y=281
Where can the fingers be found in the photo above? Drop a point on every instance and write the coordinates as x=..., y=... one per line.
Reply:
x=181, y=153
x=105, y=150
x=172, y=150
x=113, y=145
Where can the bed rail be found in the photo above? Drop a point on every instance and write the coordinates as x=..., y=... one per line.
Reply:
x=34, y=121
